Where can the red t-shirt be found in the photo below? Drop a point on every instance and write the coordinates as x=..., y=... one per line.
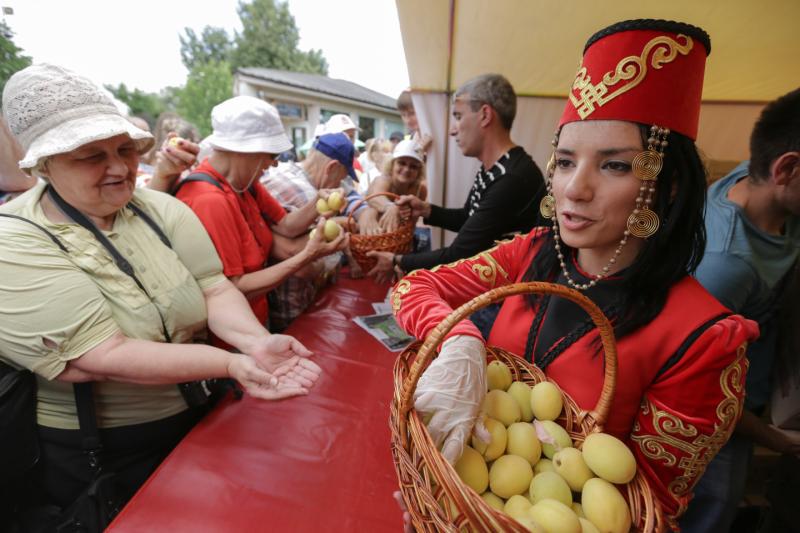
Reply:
x=238, y=225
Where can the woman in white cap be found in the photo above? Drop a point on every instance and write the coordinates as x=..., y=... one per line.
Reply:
x=239, y=213
x=104, y=283
x=403, y=173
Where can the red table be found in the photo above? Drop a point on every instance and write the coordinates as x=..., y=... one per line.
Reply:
x=316, y=463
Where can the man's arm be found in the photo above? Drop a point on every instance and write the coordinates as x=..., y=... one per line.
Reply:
x=478, y=232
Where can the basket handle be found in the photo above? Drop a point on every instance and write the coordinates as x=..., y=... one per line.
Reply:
x=367, y=198
x=427, y=351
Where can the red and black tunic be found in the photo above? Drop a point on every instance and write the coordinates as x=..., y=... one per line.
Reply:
x=680, y=379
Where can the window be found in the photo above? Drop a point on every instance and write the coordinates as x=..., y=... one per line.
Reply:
x=367, y=126
x=288, y=110
x=326, y=114
x=298, y=137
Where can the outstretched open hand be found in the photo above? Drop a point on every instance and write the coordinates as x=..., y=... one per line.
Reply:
x=272, y=351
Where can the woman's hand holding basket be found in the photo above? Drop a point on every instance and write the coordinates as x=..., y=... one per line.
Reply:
x=451, y=391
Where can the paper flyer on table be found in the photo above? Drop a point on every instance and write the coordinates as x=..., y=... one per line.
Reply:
x=385, y=329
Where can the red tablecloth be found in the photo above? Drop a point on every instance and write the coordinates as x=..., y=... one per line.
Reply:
x=315, y=463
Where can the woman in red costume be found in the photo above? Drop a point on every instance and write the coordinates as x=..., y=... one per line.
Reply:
x=625, y=196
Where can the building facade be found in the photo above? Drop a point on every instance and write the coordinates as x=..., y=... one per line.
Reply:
x=306, y=100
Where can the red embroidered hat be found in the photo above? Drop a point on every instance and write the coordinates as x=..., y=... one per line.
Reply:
x=647, y=71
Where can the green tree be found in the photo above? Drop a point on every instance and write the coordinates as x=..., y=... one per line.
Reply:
x=269, y=38
x=208, y=84
x=142, y=104
x=213, y=44
x=11, y=57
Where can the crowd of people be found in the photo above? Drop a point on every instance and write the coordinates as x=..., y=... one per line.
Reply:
x=147, y=264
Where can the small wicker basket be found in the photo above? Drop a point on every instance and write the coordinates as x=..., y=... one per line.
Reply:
x=436, y=497
x=398, y=241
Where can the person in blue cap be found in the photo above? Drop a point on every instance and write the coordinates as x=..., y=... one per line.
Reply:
x=294, y=185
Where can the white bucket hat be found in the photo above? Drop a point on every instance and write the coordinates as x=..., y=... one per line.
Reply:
x=248, y=125
x=408, y=148
x=52, y=110
x=340, y=124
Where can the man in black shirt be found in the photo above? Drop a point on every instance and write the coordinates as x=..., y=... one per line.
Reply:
x=507, y=190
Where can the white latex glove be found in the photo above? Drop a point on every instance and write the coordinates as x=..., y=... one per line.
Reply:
x=452, y=390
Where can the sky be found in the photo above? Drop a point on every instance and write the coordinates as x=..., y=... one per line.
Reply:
x=136, y=42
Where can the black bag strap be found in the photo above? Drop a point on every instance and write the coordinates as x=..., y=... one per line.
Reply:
x=119, y=260
x=205, y=178
x=150, y=222
x=197, y=176
x=53, y=238
x=191, y=391
x=87, y=422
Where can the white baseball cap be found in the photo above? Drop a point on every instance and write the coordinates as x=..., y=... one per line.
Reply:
x=408, y=148
x=247, y=125
x=339, y=124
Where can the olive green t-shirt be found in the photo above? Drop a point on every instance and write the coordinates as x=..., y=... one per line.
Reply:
x=56, y=306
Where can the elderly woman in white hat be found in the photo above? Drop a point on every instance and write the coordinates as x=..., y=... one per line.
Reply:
x=240, y=214
x=106, y=283
x=403, y=173
x=342, y=124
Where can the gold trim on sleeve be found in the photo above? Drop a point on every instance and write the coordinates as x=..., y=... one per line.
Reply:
x=589, y=97
x=673, y=434
x=487, y=273
x=401, y=290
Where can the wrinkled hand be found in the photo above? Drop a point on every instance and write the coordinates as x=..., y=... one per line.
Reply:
x=383, y=269
x=173, y=159
x=317, y=246
x=325, y=193
x=355, y=269
x=390, y=220
x=297, y=373
x=368, y=222
x=412, y=207
x=271, y=351
x=289, y=379
x=452, y=391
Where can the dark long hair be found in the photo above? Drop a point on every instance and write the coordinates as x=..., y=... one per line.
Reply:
x=671, y=253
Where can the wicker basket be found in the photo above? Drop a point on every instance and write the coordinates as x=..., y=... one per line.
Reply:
x=398, y=241
x=436, y=497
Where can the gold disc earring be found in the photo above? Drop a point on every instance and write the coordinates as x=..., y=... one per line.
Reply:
x=547, y=207
x=643, y=223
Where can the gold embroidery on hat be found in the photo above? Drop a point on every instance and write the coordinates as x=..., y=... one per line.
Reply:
x=590, y=97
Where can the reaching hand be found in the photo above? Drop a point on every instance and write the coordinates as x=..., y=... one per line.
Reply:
x=271, y=351
x=297, y=372
x=175, y=156
x=452, y=391
x=413, y=207
x=325, y=195
x=390, y=219
x=317, y=246
x=368, y=222
x=383, y=269
x=290, y=378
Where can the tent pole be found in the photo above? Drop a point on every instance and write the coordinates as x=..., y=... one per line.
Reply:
x=448, y=91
